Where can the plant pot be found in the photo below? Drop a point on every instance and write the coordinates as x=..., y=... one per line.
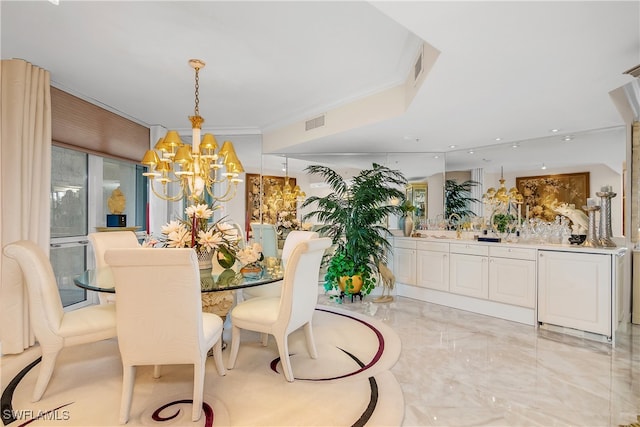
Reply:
x=204, y=260
x=352, y=288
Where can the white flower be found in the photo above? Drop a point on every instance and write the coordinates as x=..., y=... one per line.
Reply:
x=171, y=227
x=250, y=254
x=200, y=211
x=210, y=240
x=180, y=238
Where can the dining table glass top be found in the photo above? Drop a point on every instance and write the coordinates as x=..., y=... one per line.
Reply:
x=210, y=280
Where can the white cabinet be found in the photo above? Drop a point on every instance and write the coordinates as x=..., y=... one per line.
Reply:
x=468, y=270
x=512, y=276
x=574, y=290
x=432, y=264
x=404, y=261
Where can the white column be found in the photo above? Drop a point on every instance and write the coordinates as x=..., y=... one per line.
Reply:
x=477, y=191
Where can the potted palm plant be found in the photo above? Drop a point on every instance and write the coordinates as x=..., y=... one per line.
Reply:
x=354, y=214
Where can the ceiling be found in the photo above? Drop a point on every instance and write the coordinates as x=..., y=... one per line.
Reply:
x=509, y=70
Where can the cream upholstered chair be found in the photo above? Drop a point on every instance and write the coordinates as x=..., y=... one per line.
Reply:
x=100, y=242
x=274, y=289
x=279, y=316
x=53, y=328
x=160, y=318
x=267, y=236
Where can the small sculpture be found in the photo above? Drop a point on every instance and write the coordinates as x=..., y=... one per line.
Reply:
x=117, y=202
x=388, y=282
x=579, y=220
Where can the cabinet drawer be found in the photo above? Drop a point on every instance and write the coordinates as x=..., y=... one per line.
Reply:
x=469, y=249
x=404, y=243
x=514, y=253
x=433, y=246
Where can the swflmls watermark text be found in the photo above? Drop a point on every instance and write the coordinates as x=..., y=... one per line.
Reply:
x=30, y=414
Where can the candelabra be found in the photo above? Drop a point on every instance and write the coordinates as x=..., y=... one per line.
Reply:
x=605, y=218
x=592, y=240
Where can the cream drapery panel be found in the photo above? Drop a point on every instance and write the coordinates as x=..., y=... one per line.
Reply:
x=25, y=168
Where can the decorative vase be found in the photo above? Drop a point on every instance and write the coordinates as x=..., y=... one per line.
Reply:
x=204, y=260
x=406, y=225
x=225, y=258
x=252, y=271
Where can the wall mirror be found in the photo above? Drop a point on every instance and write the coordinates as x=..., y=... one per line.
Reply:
x=424, y=169
x=600, y=153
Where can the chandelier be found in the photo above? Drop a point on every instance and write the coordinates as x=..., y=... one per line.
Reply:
x=195, y=168
x=285, y=197
x=502, y=201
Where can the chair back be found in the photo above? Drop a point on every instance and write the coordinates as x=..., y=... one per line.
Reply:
x=267, y=236
x=45, y=305
x=293, y=238
x=242, y=241
x=159, y=310
x=300, y=284
x=102, y=241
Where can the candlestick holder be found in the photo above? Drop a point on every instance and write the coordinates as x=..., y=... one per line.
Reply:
x=605, y=233
x=592, y=240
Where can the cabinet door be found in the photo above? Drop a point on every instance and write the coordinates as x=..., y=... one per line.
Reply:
x=574, y=290
x=404, y=265
x=468, y=275
x=512, y=281
x=432, y=270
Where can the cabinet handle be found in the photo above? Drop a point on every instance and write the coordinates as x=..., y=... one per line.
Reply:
x=541, y=255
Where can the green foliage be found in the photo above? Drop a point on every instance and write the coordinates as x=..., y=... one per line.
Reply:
x=354, y=214
x=458, y=198
x=502, y=221
x=406, y=207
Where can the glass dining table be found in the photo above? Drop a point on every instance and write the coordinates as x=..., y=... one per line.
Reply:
x=218, y=286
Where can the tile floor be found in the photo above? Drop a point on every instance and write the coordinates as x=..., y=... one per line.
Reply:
x=463, y=369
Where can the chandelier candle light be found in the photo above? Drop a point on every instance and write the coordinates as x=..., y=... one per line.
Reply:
x=197, y=167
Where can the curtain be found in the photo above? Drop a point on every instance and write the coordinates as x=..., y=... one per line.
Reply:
x=25, y=167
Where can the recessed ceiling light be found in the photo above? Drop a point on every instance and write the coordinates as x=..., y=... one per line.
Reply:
x=543, y=166
x=515, y=145
x=567, y=138
x=498, y=139
x=452, y=146
x=470, y=151
x=554, y=130
x=436, y=157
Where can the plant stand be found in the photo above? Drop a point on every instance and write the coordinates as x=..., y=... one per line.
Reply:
x=343, y=294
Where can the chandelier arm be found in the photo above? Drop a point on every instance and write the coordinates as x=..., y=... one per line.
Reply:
x=164, y=195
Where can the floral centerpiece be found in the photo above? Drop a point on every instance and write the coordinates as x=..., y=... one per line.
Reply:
x=250, y=258
x=207, y=238
x=286, y=222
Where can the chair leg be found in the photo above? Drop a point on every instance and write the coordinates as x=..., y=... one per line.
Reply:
x=311, y=343
x=156, y=371
x=217, y=357
x=265, y=339
x=128, y=378
x=198, y=388
x=235, y=345
x=49, y=357
x=283, y=349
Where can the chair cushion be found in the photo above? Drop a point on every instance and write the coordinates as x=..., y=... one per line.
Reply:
x=88, y=324
x=264, y=310
x=211, y=328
